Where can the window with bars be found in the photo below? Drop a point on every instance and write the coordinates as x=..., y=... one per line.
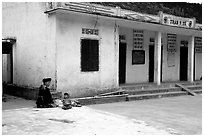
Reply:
x=89, y=55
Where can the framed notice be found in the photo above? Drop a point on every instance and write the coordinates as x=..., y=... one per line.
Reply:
x=138, y=39
x=171, y=42
x=198, y=44
x=138, y=57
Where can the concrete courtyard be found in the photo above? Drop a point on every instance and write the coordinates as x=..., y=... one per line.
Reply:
x=166, y=116
x=180, y=115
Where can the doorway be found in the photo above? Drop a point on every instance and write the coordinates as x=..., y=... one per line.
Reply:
x=161, y=63
x=7, y=63
x=122, y=62
x=183, y=63
x=151, y=63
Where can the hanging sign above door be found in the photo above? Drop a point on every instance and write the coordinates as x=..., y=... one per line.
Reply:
x=177, y=21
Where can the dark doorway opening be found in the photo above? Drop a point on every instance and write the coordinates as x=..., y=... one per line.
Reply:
x=194, y=67
x=161, y=63
x=183, y=63
x=7, y=62
x=122, y=63
x=151, y=63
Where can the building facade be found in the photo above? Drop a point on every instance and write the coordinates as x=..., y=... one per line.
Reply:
x=88, y=48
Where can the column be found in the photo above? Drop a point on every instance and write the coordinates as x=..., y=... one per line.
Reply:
x=191, y=58
x=158, y=58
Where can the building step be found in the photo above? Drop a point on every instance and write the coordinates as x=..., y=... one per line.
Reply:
x=155, y=95
x=194, y=87
x=148, y=91
x=198, y=91
x=142, y=87
x=193, y=83
x=102, y=99
x=139, y=92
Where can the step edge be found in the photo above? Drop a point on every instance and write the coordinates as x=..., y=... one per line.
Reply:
x=181, y=92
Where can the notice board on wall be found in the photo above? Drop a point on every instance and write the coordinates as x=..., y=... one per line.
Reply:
x=171, y=42
x=138, y=39
x=138, y=57
x=198, y=44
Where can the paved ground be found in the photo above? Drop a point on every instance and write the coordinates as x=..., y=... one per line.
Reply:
x=13, y=102
x=180, y=115
x=25, y=119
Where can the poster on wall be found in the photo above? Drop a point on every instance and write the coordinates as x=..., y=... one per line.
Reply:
x=171, y=42
x=198, y=44
x=138, y=39
x=138, y=57
x=171, y=59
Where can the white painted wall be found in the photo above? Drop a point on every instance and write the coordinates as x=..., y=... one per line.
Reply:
x=172, y=73
x=140, y=73
x=69, y=75
x=50, y=46
x=198, y=66
x=6, y=68
x=136, y=73
x=34, y=51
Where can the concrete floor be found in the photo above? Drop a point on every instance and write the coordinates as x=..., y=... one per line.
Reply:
x=181, y=115
x=13, y=102
x=20, y=118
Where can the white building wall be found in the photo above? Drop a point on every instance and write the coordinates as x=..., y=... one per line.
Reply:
x=140, y=73
x=6, y=69
x=198, y=66
x=172, y=73
x=136, y=73
x=69, y=75
x=34, y=51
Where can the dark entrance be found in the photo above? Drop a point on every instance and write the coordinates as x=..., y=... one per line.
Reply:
x=183, y=63
x=151, y=63
x=122, y=62
x=7, y=62
x=161, y=63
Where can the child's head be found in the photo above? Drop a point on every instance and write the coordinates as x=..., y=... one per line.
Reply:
x=66, y=95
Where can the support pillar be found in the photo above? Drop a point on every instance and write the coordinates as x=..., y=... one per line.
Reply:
x=191, y=58
x=158, y=57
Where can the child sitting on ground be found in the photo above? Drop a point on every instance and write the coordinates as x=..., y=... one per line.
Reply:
x=67, y=104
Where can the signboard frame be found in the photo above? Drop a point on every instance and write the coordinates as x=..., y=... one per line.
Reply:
x=138, y=57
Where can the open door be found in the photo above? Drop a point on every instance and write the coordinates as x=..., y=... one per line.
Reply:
x=7, y=63
x=151, y=63
x=122, y=63
x=161, y=63
x=183, y=63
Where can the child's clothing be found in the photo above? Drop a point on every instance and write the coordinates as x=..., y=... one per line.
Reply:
x=66, y=104
x=75, y=103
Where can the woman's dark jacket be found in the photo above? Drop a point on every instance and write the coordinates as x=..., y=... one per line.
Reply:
x=44, y=96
